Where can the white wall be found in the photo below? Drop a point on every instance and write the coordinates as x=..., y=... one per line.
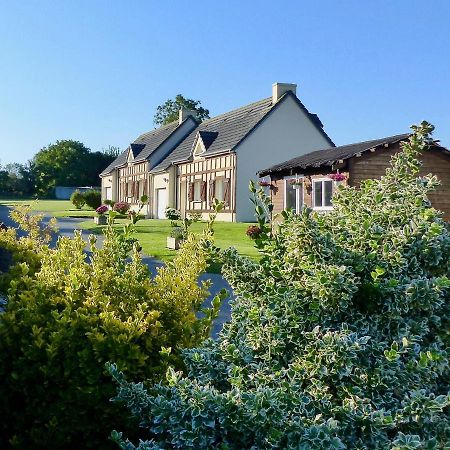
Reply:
x=286, y=133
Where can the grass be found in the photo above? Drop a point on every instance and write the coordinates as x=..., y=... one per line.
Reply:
x=152, y=234
x=57, y=208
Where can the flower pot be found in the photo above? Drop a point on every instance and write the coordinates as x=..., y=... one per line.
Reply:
x=100, y=220
x=173, y=243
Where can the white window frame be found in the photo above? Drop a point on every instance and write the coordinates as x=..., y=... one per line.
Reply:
x=299, y=202
x=321, y=180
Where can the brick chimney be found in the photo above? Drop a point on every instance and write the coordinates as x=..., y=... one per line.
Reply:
x=279, y=89
x=185, y=113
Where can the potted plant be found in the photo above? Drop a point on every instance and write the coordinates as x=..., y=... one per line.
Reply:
x=121, y=207
x=100, y=218
x=176, y=238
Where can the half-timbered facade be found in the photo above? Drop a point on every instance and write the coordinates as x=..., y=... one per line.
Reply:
x=214, y=159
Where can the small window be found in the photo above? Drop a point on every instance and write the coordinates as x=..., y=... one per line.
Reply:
x=219, y=190
x=197, y=191
x=293, y=198
x=323, y=191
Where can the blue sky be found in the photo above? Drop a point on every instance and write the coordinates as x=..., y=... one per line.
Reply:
x=96, y=70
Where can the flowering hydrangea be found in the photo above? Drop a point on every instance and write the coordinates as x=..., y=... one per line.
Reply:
x=121, y=207
x=101, y=210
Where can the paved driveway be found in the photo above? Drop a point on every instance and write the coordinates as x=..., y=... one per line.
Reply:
x=66, y=227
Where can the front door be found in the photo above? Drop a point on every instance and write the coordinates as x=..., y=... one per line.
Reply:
x=161, y=203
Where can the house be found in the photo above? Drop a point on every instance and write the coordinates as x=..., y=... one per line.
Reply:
x=187, y=164
x=310, y=179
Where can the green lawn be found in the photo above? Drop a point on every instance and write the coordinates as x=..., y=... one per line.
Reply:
x=152, y=234
x=57, y=208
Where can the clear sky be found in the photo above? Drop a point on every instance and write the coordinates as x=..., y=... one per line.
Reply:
x=95, y=70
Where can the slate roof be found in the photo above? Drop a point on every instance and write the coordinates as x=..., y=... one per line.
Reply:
x=225, y=132
x=329, y=156
x=143, y=146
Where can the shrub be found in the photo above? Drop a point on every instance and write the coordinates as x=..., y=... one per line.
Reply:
x=110, y=203
x=253, y=231
x=338, y=337
x=195, y=216
x=78, y=200
x=25, y=249
x=121, y=207
x=173, y=215
x=64, y=322
x=93, y=198
x=178, y=233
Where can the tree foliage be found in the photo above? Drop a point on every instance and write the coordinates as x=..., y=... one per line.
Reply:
x=168, y=112
x=16, y=180
x=338, y=337
x=66, y=316
x=67, y=163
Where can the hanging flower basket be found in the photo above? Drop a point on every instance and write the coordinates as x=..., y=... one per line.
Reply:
x=337, y=176
x=296, y=183
x=264, y=183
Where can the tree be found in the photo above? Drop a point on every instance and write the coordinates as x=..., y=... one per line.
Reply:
x=338, y=337
x=168, y=112
x=16, y=179
x=67, y=163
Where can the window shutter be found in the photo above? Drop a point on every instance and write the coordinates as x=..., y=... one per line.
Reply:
x=126, y=189
x=226, y=192
x=203, y=192
x=212, y=190
x=191, y=192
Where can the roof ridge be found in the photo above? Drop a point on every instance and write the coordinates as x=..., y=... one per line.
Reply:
x=162, y=127
x=380, y=140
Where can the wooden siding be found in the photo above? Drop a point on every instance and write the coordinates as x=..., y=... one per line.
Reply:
x=206, y=171
x=373, y=165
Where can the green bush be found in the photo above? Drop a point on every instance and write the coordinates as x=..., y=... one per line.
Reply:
x=78, y=200
x=26, y=249
x=338, y=338
x=66, y=318
x=93, y=198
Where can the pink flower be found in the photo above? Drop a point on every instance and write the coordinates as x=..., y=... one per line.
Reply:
x=121, y=207
x=337, y=176
x=264, y=183
x=101, y=210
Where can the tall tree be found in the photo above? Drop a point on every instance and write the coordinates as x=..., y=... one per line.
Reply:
x=67, y=163
x=168, y=112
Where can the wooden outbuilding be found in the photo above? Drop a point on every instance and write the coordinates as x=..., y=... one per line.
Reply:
x=310, y=179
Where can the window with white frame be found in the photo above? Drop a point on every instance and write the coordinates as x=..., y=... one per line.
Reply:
x=197, y=191
x=293, y=193
x=322, y=193
x=219, y=189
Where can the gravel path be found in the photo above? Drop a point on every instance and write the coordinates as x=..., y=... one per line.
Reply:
x=66, y=227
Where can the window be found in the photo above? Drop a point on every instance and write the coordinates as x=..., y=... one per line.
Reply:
x=293, y=194
x=219, y=190
x=322, y=193
x=197, y=191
